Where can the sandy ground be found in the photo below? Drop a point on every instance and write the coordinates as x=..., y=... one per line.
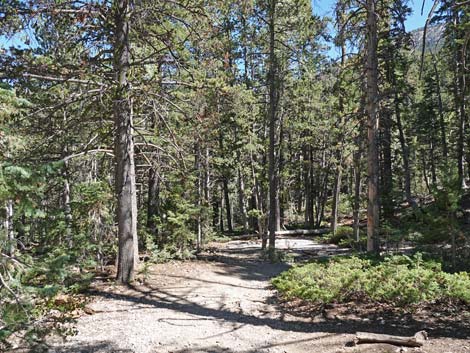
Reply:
x=222, y=305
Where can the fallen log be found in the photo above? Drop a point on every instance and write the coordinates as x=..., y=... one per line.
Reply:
x=303, y=231
x=415, y=341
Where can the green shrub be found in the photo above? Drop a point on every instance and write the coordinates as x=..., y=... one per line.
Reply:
x=342, y=234
x=398, y=280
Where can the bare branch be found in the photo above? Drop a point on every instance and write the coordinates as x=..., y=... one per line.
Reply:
x=62, y=79
x=434, y=6
x=98, y=150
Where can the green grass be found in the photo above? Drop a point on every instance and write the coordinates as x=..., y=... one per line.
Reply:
x=398, y=280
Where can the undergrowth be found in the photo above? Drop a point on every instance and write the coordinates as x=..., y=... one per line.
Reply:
x=398, y=280
x=39, y=296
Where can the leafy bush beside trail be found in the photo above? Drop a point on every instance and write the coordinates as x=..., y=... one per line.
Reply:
x=398, y=280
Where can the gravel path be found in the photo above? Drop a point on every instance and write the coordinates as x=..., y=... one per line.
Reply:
x=219, y=306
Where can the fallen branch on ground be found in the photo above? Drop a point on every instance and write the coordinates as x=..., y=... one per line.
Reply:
x=303, y=232
x=415, y=341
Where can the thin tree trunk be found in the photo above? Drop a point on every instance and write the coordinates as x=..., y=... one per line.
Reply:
x=442, y=124
x=258, y=223
x=228, y=209
x=425, y=173
x=124, y=149
x=9, y=229
x=215, y=210
x=459, y=102
x=433, y=164
x=357, y=193
x=339, y=157
x=197, y=166
x=405, y=156
x=221, y=211
x=241, y=200
x=336, y=195
x=67, y=207
x=153, y=203
x=387, y=177
x=373, y=220
x=273, y=133
x=308, y=180
x=207, y=177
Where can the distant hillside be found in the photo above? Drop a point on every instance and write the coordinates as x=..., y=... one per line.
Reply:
x=434, y=37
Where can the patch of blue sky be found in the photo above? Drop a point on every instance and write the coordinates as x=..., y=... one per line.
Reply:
x=414, y=21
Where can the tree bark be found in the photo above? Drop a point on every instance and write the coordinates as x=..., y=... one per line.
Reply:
x=335, y=205
x=442, y=124
x=459, y=101
x=339, y=155
x=67, y=206
x=307, y=167
x=228, y=207
x=241, y=200
x=153, y=203
x=357, y=193
x=273, y=161
x=387, y=176
x=373, y=220
x=199, y=182
x=9, y=229
x=404, y=146
x=124, y=148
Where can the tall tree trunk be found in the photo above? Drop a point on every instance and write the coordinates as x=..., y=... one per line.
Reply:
x=336, y=195
x=9, y=229
x=241, y=200
x=357, y=192
x=339, y=155
x=387, y=176
x=425, y=172
x=199, y=182
x=215, y=210
x=221, y=211
x=405, y=154
x=207, y=176
x=153, y=203
x=67, y=207
x=228, y=206
x=442, y=124
x=258, y=202
x=124, y=148
x=373, y=215
x=273, y=161
x=459, y=101
x=308, y=183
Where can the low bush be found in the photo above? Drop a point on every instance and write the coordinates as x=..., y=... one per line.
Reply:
x=398, y=280
x=38, y=296
x=342, y=234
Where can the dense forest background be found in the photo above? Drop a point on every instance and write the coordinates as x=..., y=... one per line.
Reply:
x=153, y=127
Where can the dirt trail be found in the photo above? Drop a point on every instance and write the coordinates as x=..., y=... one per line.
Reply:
x=225, y=305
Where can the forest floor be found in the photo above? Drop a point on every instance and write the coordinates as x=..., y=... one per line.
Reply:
x=223, y=302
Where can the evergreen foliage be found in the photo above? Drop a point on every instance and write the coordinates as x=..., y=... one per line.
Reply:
x=399, y=280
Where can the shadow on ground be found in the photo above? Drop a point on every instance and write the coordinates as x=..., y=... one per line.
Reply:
x=237, y=266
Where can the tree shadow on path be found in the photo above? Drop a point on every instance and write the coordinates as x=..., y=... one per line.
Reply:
x=230, y=266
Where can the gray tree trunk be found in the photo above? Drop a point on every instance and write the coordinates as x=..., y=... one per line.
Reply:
x=357, y=193
x=67, y=207
x=339, y=156
x=273, y=158
x=126, y=209
x=241, y=200
x=153, y=195
x=228, y=205
x=8, y=224
x=373, y=220
x=442, y=124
